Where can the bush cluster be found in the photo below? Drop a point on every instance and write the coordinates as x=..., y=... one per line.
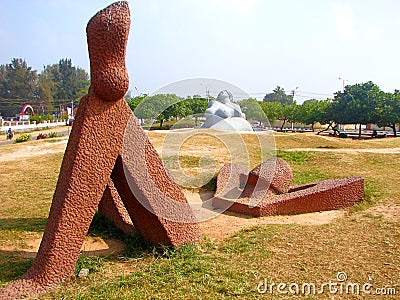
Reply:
x=23, y=138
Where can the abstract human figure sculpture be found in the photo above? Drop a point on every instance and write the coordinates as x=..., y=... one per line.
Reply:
x=105, y=126
x=266, y=191
x=223, y=114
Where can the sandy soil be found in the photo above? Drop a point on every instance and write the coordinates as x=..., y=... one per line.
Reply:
x=220, y=226
x=390, y=212
x=41, y=148
x=92, y=246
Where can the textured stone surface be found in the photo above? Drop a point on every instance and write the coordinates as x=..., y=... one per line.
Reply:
x=94, y=153
x=112, y=207
x=313, y=197
x=275, y=173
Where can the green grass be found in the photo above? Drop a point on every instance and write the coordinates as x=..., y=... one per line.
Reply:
x=297, y=157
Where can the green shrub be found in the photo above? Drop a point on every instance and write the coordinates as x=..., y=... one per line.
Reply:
x=35, y=118
x=41, y=118
x=23, y=138
x=343, y=135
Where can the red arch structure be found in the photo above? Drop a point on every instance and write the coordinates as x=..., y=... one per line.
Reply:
x=25, y=108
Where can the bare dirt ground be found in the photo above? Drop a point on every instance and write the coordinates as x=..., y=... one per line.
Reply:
x=92, y=246
x=31, y=149
x=390, y=212
x=220, y=226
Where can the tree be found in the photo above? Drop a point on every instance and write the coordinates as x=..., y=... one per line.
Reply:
x=179, y=109
x=46, y=89
x=387, y=112
x=289, y=113
x=71, y=82
x=135, y=101
x=313, y=111
x=279, y=95
x=161, y=107
x=18, y=80
x=17, y=84
x=328, y=116
x=273, y=110
x=197, y=106
x=357, y=104
x=252, y=109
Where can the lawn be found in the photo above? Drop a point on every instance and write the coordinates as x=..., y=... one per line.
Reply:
x=363, y=242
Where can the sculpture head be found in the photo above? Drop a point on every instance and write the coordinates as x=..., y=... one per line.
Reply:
x=107, y=35
x=224, y=97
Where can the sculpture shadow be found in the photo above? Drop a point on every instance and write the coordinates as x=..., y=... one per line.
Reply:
x=13, y=265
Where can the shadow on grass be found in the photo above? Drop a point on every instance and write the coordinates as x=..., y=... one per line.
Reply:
x=12, y=266
x=24, y=224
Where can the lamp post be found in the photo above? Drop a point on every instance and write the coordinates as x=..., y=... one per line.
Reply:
x=294, y=94
x=343, y=82
x=207, y=91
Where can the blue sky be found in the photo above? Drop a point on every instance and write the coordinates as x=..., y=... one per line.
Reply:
x=253, y=44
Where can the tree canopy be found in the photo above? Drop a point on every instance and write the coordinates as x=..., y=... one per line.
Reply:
x=55, y=86
x=279, y=95
x=387, y=112
x=357, y=104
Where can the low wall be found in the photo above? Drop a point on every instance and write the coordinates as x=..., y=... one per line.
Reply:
x=22, y=126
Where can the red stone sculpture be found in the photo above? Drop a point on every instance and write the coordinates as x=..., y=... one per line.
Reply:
x=104, y=129
x=266, y=191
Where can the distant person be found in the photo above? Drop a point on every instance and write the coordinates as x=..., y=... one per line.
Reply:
x=9, y=134
x=374, y=133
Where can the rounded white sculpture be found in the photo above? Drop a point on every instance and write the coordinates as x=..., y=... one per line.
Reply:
x=223, y=114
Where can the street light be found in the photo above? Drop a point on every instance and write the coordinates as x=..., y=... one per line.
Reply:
x=207, y=91
x=294, y=92
x=343, y=80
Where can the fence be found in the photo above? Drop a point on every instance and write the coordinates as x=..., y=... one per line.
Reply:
x=21, y=126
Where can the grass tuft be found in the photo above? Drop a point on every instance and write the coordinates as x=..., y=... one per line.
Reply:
x=298, y=157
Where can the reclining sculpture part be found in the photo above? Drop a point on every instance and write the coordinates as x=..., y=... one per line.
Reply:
x=224, y=114
x=104, y=125
x=266, y=191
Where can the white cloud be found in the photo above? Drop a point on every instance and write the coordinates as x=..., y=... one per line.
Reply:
x=345, y=24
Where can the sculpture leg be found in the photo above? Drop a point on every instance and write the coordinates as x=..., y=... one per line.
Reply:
x=113, y=209
x=104, y=126
x=93, y=147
